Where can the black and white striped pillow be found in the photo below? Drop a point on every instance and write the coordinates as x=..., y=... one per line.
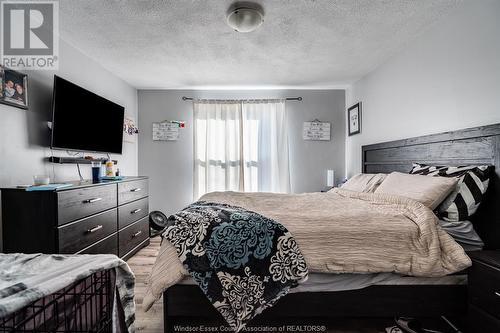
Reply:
x=468, y=194
x=425, y=170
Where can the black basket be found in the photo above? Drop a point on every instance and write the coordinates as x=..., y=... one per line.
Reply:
x=84, y=306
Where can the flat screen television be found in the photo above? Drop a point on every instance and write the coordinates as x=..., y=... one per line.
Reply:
x=85, y=121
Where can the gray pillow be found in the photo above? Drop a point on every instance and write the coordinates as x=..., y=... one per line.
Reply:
x=464, y=234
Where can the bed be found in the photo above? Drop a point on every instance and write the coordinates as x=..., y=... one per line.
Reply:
x=417, y=297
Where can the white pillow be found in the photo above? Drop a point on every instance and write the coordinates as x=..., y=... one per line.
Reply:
x=430, y=191
x=364, y=182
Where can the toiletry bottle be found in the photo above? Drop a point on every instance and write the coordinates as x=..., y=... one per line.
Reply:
x=109, y=168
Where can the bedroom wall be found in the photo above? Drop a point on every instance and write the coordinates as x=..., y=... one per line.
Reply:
x=24, y=136
x=447, y=79
x=170, y=164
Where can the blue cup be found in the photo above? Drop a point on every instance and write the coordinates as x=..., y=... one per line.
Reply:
x=96, y=172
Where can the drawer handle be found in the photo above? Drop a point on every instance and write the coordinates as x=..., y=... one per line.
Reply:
x=137, y=234
x=497, y=293
x=136, y=189
x=94, y=229
x=92, y=200
x=135, y=211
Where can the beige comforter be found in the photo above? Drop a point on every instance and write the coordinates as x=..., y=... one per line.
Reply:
x=341, y=232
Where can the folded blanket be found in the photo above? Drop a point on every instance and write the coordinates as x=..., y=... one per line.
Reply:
x=341, y=232
x=26, y=278
x=242, y=261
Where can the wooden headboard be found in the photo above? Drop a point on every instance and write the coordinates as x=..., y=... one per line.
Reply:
x=477, y=145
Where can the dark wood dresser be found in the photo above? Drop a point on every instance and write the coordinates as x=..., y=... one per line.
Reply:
x=108, y=217
x=484, y=292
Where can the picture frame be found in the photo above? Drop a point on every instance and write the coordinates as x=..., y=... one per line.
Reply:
x=13, y=88
x=354, y=119
x=130, y=129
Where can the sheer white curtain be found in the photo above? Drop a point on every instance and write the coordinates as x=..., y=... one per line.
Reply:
x=240, y=146
x=265, y=146
x=217, y=147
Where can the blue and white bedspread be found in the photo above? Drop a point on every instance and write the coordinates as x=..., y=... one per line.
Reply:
x=242, y=261
x=26, y=278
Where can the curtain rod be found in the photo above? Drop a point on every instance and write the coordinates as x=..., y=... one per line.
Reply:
x=184, y=98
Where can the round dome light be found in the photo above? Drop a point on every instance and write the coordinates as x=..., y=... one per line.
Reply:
x=245, y=19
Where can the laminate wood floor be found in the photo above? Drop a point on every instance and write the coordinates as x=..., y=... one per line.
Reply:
x=141, y=264
x=152, y=321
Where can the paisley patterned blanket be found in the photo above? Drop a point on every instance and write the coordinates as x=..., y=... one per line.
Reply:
x=242, y=261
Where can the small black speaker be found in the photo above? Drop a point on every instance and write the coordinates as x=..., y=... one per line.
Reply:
x=157, y=222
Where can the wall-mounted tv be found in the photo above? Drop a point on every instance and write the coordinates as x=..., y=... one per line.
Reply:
x=85, y=121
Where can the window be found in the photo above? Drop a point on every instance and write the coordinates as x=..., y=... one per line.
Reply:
x=240, y=146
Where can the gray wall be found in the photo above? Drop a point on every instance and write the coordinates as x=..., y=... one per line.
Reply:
x=170, y=164
x=447, y=79
x=24, y=136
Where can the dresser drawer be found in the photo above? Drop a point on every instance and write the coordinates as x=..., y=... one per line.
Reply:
x=132, y=236
x=75, y=204
x=133, y=190
x=132, y=212
x=480, y=321
x=484, y=288
x=79, y=234
x=108, y=245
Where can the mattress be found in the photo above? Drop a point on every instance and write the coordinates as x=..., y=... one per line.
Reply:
x=321, y=282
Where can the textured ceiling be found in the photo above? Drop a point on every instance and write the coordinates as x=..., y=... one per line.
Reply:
x=187, y=44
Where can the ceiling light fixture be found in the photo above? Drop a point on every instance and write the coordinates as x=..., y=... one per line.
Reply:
x=245, y=17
